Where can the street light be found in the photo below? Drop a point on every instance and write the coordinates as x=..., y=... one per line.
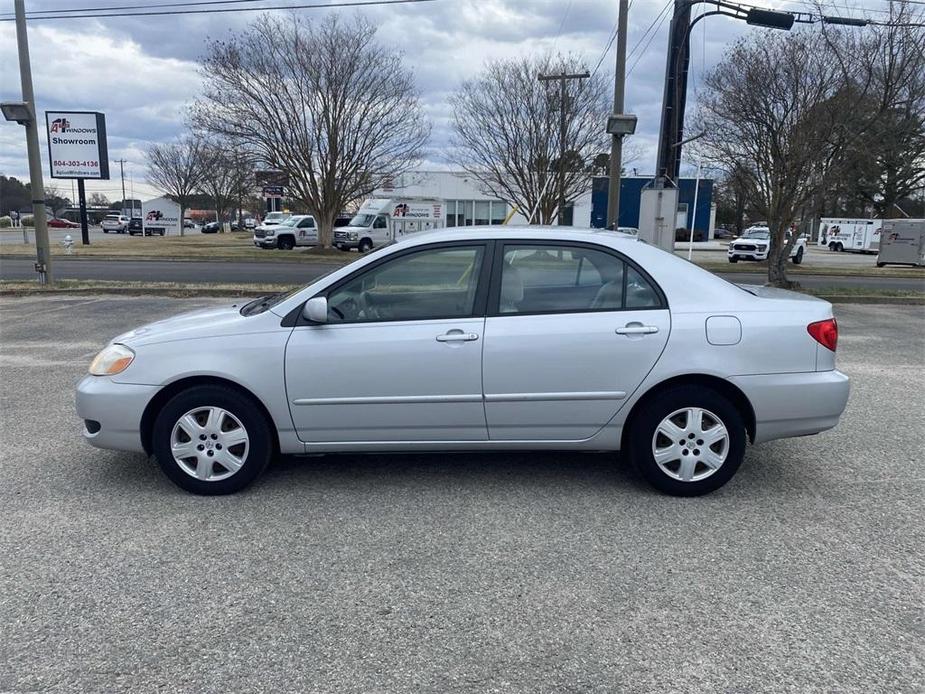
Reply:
x=621, y=124
x=18, y=111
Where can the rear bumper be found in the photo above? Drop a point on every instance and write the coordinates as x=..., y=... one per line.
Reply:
x=795, y=404
x=117, y=408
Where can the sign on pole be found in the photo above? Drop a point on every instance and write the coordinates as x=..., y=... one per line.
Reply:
x=77, y=149
x=77, y=144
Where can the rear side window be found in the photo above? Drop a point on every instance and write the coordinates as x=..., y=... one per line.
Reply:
x=568, y=279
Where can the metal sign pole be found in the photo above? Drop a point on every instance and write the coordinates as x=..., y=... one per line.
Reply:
x=82, y=201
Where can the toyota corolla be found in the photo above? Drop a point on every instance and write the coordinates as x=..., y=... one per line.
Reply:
x=477, y=339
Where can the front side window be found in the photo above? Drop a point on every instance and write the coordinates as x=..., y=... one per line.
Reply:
x=551, y=279
x=307, y=223
x=381, y=222
x=428, y=284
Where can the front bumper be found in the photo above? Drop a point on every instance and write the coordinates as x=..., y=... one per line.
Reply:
x=740, y=254
x=117, y=408
x=778, y=414
x=265, y=241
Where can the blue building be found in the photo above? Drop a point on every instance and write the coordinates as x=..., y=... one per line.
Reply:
x=630, y=191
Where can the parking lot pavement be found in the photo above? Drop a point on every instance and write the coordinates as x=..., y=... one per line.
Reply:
x=464, y=572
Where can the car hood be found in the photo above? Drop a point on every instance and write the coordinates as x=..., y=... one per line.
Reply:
x=753, y=242
x=207, y=322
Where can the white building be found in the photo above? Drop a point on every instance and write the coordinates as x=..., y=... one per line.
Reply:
x=466, y=203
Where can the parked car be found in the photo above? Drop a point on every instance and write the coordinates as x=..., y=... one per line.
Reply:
x=482, y=339
x=720, y=233
x=136, y=226
x=298, y=230
x=188, y=223
x=211, y=227
x=59, y=223
x=755, y=243
x=117, y=223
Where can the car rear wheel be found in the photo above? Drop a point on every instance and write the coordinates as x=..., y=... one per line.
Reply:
x=689, y=441
x=212, y=440
x=798, y=258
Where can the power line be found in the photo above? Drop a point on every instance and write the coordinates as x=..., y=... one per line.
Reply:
x=663, y=16
x=141, y=7
x=613, y=36
x=222, y=10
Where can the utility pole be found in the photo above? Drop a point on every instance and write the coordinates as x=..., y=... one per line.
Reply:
x=42, y=250
x=619, y=125
x=563, y=128
x=122, y=173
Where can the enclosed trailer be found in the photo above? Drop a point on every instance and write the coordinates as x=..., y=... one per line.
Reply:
x=902, y=243
x=857, y=235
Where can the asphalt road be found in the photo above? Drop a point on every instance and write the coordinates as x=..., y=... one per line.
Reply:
x=519, y=572
x=300, y=273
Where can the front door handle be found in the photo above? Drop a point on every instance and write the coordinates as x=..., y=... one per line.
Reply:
x=457, y=336
x=637, y=329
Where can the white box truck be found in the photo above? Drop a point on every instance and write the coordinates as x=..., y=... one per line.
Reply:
x=381, y=221
x=854, y=235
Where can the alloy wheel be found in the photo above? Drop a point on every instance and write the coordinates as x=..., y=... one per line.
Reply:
x=690, y=444
x=209, y=443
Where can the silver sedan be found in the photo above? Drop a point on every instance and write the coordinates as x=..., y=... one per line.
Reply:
x=475, y=339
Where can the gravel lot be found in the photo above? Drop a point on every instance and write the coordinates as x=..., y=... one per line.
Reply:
x=483, y=573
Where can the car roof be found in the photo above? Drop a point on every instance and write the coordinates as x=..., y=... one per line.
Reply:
x=533, y=232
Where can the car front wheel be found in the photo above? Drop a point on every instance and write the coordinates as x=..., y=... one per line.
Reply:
x=212, y=440
x=689, y=441
x=798, y=258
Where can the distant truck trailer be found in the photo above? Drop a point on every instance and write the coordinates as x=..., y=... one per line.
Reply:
x=902, y=243
x=852, y=235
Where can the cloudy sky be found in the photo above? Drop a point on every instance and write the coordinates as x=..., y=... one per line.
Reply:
x=142, y=72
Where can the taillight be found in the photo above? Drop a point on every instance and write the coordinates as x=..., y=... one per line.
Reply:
x=825, y=332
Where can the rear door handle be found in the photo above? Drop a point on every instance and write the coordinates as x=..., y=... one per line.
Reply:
x=457, y=336
x=637, y=329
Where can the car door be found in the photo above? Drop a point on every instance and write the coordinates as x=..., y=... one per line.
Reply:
x=307, y=232
x=572, y=330
x=400, y=358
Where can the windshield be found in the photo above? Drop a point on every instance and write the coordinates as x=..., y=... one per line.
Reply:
x=363, y=220
x=263, y=303
x=291, y=222
x=760, y=234
x=275, y=216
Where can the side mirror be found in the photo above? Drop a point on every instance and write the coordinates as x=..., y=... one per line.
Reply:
x=316, y=310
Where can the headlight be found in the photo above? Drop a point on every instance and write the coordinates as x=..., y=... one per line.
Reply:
x=271, y=232
x=353, y=236
x=113, y=360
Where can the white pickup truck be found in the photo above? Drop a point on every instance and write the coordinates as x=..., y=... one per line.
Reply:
x=380, y=221
x=755, y=242
x=297, y=230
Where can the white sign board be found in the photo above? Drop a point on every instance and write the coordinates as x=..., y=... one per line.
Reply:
x=77, y=144
x=160, y=216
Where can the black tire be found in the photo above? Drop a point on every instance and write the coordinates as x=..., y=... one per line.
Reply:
x=733, y=260
x=105, y=231
x=285, y=243
x=839, y=247
x=365, y=246
x=247, y=412
x=880, y=264
x=162, y=233
x=798, y=258
x=647, y=421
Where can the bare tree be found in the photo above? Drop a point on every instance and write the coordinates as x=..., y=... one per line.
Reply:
x=227, y=172
x=775, y=108
x=886, y=162
x=177, y=169
x=506, y=125
x=321, y=102
x=98, y=200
